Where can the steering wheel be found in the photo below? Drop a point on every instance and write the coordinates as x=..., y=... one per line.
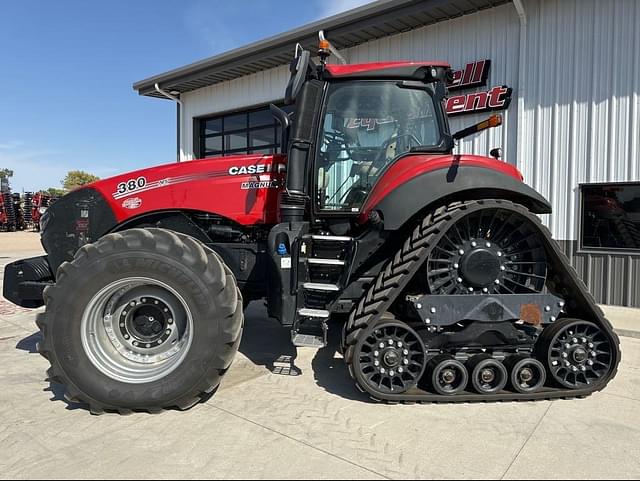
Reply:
x=298, y=68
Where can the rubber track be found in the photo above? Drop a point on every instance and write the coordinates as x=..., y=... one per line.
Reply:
x=391, y=281
x=192, y=253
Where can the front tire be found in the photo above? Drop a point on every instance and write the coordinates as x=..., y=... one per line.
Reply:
x=142, y=320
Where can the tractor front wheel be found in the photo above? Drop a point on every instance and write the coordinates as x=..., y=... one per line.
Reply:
x=142, y=320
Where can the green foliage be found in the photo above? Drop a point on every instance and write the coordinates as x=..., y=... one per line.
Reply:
x=54, y=192
x=6, y=173
x=77, y=178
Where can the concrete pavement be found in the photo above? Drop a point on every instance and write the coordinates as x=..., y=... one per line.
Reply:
x=262, y=424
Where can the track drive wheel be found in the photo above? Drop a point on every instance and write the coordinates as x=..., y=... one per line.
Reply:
x=142, y=320
x=578, y=353
x=389, y=358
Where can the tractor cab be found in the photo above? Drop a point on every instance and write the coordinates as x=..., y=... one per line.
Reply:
x=352, y=122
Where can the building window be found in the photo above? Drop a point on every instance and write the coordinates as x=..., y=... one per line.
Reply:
x=611, y=216
x=250, y=132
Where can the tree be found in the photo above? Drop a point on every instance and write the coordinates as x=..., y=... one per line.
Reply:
x=6, y=173
x=77, y=178
x=54, y=192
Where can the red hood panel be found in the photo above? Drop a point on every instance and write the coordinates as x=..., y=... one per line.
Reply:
x=243, y=188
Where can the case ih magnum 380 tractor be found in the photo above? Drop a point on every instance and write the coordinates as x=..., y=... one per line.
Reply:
x=454, y=290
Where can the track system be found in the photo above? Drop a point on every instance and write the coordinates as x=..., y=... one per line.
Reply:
x=489, y=248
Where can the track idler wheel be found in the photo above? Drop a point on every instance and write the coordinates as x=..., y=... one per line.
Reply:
x=526, y=375
x=488, y=376
x=579, y=354
x=447, y=376
x=389, y=358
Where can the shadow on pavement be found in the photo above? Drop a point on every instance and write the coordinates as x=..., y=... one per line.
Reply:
x=331, y=373
x=266, y=343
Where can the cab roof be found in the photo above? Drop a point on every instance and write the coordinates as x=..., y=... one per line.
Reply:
x=384, y=70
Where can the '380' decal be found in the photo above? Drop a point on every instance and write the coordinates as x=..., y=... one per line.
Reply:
x=131, y=185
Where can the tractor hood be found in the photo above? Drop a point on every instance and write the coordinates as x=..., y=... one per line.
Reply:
x=243, y=189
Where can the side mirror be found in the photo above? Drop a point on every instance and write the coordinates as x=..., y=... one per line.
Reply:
x=298, y=68
x=493, y=121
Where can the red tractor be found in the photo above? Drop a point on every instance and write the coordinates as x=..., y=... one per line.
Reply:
x=453, y=289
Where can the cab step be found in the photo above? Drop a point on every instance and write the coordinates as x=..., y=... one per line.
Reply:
x=308, y=340
x=314, y=286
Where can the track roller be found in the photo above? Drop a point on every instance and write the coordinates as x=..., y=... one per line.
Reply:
x=446, y=376
x=526, y=375
x=488, y=376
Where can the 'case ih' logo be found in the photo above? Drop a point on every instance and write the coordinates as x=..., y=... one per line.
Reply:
x=475, y=74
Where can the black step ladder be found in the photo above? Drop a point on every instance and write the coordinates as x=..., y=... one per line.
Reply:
x=323, y=272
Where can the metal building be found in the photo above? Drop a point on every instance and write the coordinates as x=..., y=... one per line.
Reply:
x=565, y=74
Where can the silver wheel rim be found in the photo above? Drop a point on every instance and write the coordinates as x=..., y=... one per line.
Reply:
x=137, y=330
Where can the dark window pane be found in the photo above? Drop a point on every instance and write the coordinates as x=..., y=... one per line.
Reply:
x=235, y=122
x=266, y=150
x=235, y=141
x=213, y=143
x=261, y=137
x=212, y=153
x=212, y=126
x=260, y=117
x=611, y=216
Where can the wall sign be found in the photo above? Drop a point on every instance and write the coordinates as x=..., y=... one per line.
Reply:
x=475, y=74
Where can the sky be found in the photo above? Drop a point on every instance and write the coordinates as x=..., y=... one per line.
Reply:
x=67, y=69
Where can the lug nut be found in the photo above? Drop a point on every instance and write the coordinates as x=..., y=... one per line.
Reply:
x=488, y=244
x=552, y=318
x=574, y=369
x=583, y=368
x=590, y=362
x=499, y=254
x=474, y=244
x=391, y=373
x=547, y=308
x=456, y=265
x=567, y=346
x=461, y=252
x=391, y=342
x=400, y=370
x=126, y=336
x=574, y=340
x=594, y=354
x=433, y=310
x=497, y=281
x=565, y=355
x=590, y=345
x=503, y=268
x=561, y=304
x=376, y=363
x=376, y=353
x=459, y=279
x=382, y=370
x=471, y=289
x=405, y=352
x=419, y=306
x=405, y=362
x=381, y=345
x=583, y=340
x=485, y=290
x=399, y=344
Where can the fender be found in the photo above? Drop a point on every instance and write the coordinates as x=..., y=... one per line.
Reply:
x=418, y=181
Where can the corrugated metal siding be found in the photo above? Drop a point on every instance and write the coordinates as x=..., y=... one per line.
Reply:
x=582, y=100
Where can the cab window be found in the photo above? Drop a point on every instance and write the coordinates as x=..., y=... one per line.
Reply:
x=366, y=127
